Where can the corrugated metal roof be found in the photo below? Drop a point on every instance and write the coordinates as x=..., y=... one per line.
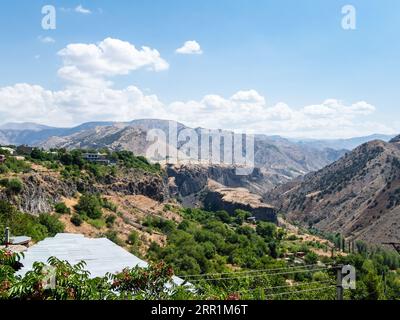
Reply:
x=101, y=255
x=20, y=239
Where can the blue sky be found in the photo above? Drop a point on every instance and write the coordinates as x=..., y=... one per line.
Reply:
x=288, y=52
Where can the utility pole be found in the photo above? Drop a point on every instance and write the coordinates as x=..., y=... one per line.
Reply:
x=339, y=283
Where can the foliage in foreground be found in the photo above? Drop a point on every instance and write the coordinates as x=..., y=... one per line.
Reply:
x=73, y=282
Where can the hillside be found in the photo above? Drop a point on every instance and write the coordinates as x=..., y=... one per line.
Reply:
x=273, y=154
x=358, y=195
x=137, y=205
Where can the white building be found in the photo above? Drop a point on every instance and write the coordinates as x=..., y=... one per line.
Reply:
x=101, y=255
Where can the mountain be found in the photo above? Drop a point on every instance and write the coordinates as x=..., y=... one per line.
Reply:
x=33, y=134
x=279, y=158
x=275, y=155
x=358, y=195
x=337, y=144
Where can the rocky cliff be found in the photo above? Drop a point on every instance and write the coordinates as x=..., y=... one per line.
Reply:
x=358, y=195
x=232, y=199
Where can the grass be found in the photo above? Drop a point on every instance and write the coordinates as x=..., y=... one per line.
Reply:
x=97, y=223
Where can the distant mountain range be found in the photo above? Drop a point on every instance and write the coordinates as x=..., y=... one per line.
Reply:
x=337, y=144
x=280, y=158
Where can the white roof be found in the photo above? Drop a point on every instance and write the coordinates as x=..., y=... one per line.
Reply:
x=101, y=255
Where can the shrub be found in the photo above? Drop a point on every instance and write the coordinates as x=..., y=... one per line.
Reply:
x=52, y=223
x=109, y=205
x=89, y=205
x=3, y=169
x=14, y=186
x=133, y=237
x=97, y=223
x=311, y=258
x=165, y=226
x=113, y=236
x=62, y=208
x=17, y=166
x=110, y=219
x=76, y=220
x=266, y=230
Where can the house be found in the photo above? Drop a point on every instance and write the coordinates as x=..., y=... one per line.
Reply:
x=2, y=158
x=251, y=219
x=101, y=255
x=14, y=244
x=96, y=157
x=7, y=149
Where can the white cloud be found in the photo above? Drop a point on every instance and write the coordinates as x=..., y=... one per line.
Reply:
x=88, y=64
x=89, y=96
x=81, y=9
x=46, y=39
x=190, y=47
x=244, y=111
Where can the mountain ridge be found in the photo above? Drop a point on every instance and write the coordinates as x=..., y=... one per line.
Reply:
x=357, y=195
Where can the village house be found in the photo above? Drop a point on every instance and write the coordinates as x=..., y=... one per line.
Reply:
x=97, y=158
x=7, y=149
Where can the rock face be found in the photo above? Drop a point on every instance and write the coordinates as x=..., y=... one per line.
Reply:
x=136, y=183
x=358, y=195
x=231, y=199
x=395, y=139
x=191, y=179
x=278, y=158
x=41, y=192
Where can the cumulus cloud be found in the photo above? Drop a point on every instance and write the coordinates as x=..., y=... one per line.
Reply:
x=244, y=111
x=81, y=9
x=91, y=64
x=190, y=47
x=90, y=96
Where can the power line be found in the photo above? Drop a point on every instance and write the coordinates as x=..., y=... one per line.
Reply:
x=252, y=271
x=287, y=286
x=298, y=291
x=256, y=275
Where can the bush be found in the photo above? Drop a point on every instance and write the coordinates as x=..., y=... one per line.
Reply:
x=165, y=226
x=109, y=205
x=90, y=206
x=52, y=223
x=113, y=236
x=14, y=186
x=97, y=223
x=266, y=230
x=3, y=169
x=17, y=166
x=133, y=237
x=311, y=258
x=76, y=220
x=20, y=223
x=62, y=208
x=110, y=219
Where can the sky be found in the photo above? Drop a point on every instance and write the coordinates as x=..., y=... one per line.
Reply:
x=284, y=67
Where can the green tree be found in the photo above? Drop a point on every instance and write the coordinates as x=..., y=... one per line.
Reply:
x=62, y=208
x=90, y=206
x=52, y=223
